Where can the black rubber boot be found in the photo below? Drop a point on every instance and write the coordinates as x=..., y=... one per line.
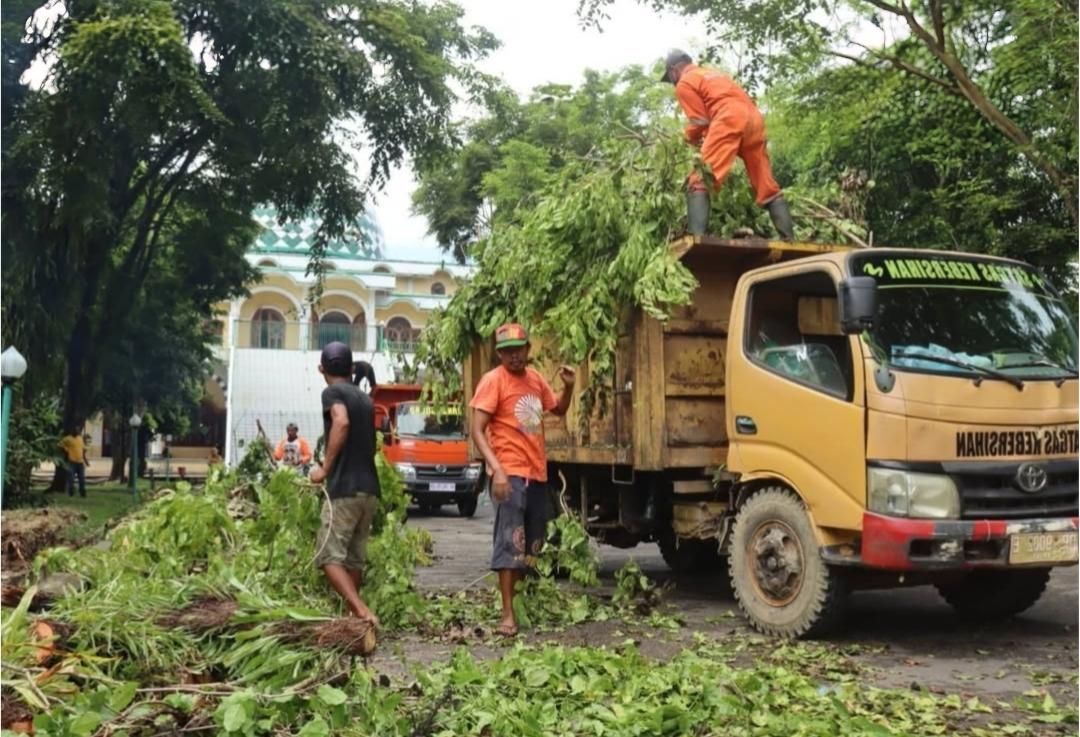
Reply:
x=781, y=218
x=697, y=212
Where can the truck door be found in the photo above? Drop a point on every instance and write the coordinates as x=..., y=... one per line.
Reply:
x=795, y=393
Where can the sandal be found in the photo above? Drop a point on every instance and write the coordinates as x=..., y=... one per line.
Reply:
x=506, y=630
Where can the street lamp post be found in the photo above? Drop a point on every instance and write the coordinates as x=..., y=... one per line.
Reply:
x=135, y=423
x=12, y=368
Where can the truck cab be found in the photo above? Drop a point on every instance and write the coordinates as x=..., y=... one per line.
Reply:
x=429, y=450
x=919, y=410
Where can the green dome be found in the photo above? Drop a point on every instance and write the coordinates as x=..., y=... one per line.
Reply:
x=362, y=241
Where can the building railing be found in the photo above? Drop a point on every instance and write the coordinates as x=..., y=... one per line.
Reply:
x=294, y=336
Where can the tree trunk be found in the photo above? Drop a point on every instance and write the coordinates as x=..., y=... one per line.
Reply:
x=119, y=453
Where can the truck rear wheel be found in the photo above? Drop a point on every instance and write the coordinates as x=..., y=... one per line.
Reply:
x=779, y=579
x=986, y=595
x=684, y=556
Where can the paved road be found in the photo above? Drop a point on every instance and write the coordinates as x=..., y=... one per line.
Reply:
x=911, y=634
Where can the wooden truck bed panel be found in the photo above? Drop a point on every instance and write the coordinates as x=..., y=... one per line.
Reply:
x=667, y=398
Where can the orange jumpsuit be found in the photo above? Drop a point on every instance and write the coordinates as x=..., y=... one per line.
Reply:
x=726, y=123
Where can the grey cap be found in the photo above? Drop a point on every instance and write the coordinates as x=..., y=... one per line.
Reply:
x=675, y=56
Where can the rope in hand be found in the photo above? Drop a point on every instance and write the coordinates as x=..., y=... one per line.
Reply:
x=304, y=483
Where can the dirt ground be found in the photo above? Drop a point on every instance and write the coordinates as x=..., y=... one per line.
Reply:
x=903, y=637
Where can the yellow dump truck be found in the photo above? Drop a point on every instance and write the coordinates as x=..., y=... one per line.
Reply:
x=827, y=418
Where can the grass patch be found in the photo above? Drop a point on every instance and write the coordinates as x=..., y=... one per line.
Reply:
x=102, y=503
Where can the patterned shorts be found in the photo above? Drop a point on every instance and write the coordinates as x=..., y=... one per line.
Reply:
x=520, y=525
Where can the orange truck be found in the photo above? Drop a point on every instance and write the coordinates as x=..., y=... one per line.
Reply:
x=429, y=451
x=820, y=419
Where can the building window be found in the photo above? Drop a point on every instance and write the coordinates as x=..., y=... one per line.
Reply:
x=438, y=288
x=333, y=327
x=267, y=329
x=400, y=336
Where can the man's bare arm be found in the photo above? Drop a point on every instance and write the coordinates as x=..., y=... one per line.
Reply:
x=568, y=377
x=479, y=433
x=339, y=431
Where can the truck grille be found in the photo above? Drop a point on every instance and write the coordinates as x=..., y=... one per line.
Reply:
x=990, y=491
x=433, y=473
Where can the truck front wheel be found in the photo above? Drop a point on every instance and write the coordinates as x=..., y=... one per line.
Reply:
x=986, y=595
x=780, y=581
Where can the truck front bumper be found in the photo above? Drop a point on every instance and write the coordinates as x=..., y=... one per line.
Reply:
x=423, y=493
x=899, y=544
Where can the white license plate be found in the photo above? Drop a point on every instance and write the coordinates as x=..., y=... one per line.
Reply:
x=1044, y=547
x=442, y=486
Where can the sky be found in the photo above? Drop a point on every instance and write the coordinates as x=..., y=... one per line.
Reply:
x=541, y=42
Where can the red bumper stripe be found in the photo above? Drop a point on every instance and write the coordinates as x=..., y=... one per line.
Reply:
x=886, y=541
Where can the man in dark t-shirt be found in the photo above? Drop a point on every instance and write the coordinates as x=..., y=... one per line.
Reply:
x=352, y=481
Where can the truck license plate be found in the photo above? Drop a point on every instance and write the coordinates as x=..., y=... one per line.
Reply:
x=442, y=486
x=1044, y=547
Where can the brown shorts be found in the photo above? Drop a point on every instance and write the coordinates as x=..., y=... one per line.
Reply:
x=343, y=535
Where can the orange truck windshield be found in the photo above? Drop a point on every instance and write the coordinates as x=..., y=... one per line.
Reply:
x=415, y=420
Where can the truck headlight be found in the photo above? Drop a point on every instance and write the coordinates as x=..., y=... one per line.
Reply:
x=472, y=471
x=906, y=494
x=407, y=470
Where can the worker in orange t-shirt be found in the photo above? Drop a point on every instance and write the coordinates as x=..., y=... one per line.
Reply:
x=293, y=450
x=725, y=123
x=508, y=428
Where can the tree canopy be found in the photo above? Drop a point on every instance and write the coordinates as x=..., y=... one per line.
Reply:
x=1014, y=63
x=160, y=124
x=511, y=153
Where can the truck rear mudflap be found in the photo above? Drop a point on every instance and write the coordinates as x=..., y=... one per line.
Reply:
x=899, y=544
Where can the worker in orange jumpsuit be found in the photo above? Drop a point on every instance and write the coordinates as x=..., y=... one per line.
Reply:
x=725, y=123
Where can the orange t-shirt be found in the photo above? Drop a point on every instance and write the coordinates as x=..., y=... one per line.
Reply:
x=516, y=430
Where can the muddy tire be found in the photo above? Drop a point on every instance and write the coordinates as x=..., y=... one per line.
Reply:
x=467, y=505
x=986, y=595
x=778, y=577
x=685, y=556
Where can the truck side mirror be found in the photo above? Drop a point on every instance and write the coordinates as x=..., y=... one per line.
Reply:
x=388, y=437
x=858, y=303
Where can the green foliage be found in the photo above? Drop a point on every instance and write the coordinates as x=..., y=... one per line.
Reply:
x=594, y=244
x=512, y=154
x=35, y=431
x=564, y=690
x=919, y=166
x=131, y=174
x=973, y=105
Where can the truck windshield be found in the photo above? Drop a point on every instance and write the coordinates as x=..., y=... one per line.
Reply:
x=414, y=419
x=968, y=316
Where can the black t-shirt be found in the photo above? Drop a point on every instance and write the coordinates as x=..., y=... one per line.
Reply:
x=354, y=468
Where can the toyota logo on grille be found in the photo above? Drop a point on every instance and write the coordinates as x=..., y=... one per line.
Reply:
x=1030, y=478
x=442, y=469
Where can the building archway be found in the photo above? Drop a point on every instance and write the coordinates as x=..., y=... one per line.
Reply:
x=267, y=329
x=399, y=335
x=333, y=326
